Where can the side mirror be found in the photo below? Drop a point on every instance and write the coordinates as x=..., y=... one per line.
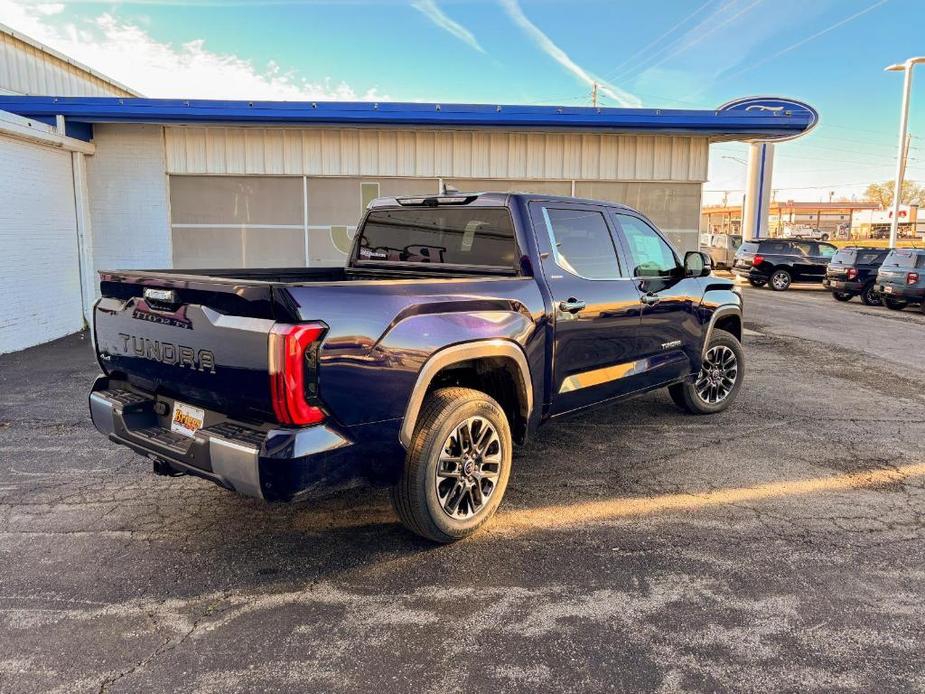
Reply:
x=697, y=264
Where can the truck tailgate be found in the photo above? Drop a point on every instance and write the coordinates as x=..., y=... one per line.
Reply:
x=197, y=341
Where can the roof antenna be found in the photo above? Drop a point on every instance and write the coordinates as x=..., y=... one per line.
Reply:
x=447, y=190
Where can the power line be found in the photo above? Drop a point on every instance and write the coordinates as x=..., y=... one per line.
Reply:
x=702, y=35
x=657, y=40
x=796, y=45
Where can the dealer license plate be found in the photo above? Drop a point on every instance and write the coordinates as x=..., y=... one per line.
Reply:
x=186, y=419
x=888, y=289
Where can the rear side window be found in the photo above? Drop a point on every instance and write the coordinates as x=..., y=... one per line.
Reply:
x=748, y=247
x=871, y=257
x=439, y=235
x=776, y=247
x=582, y=243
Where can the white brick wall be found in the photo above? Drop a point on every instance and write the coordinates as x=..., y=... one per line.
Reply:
x=129, y=212
x=39, y=272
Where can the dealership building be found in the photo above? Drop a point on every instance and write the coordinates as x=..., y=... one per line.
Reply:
x=95, y=176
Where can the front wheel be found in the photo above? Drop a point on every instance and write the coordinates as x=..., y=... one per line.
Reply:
x=780, y=280
x=894, y=304
x=870, y=296
x=721, y=375
x=457, y=466
x=842, y=296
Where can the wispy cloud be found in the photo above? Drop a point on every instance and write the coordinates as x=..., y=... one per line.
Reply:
x=432, y=11
x=548, y=46
x=128, y=53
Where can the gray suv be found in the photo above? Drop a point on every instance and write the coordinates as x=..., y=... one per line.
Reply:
x=901, y=279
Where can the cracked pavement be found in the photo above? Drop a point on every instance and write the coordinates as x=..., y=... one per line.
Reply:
x=777, y=546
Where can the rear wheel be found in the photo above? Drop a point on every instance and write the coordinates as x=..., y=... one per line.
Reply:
x=842, y=296
x=870, y=296
x=757, y=283
x=721, y=375
x=780, y=280
x=894, y=304
x=457, y=466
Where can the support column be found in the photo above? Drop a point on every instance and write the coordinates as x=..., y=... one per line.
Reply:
x=84, y=235
x=757, y=191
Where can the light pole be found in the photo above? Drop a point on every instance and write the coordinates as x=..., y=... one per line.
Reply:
x=903, y=126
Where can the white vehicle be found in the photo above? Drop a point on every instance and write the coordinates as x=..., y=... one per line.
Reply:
x=804, y=231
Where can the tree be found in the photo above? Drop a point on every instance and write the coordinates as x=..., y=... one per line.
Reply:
x=882, y=193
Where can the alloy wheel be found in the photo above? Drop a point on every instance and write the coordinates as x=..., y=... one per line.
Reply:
x=780, y=280
x=717, y=375
x=468, y=469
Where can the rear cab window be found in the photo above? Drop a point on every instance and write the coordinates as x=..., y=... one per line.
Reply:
x=451, y=236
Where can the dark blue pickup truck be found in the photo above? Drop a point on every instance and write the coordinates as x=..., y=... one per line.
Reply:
x=459, y=325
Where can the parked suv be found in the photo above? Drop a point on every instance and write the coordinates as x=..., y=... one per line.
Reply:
x=779, y=262
x=901, y=279
x=721, y=248
x=853, y=272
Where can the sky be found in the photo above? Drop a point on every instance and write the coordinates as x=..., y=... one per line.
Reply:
x=658, y=54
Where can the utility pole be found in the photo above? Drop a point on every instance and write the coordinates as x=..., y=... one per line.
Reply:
x=594, y=94
x=905, y=67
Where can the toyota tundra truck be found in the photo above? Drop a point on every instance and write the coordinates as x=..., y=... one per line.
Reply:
x=460, y=324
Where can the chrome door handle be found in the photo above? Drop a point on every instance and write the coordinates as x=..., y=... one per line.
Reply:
x=650, y=299
x=572, y=305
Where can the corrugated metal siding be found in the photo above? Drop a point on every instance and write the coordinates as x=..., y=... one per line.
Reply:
x=449, y=153
x=26, y=69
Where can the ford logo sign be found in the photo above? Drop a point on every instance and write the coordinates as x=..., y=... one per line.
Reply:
x=803, y=116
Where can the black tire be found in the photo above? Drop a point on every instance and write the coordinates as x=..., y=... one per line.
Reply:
x=870, y=296
x=894, y=304
x=757, y=283
x=686, y=394
x=417, y=496
x=842, y=296
x=780, y=280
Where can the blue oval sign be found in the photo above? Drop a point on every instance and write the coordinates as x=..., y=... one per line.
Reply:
x=775, y=106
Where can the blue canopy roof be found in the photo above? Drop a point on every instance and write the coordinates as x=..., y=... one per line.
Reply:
x=764, y=118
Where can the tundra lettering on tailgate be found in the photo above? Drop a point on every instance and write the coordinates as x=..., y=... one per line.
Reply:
x=168, y=353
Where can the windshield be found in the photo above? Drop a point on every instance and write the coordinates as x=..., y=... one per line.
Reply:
x=439, y=235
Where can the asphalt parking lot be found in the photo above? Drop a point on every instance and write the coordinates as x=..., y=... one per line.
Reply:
x=777, y=546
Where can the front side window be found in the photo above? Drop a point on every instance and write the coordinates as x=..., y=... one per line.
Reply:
x=439, y=235
x=651, y=255
x=805, y=248
x=826, y=251
x=581, y=243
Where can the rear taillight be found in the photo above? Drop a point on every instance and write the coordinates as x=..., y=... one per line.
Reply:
x=852, y=273
x=293, y=373
x=757, y=260
x=912, y=277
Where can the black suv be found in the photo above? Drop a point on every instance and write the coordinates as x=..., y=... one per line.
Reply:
x=853, y=272
x=778, y=262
